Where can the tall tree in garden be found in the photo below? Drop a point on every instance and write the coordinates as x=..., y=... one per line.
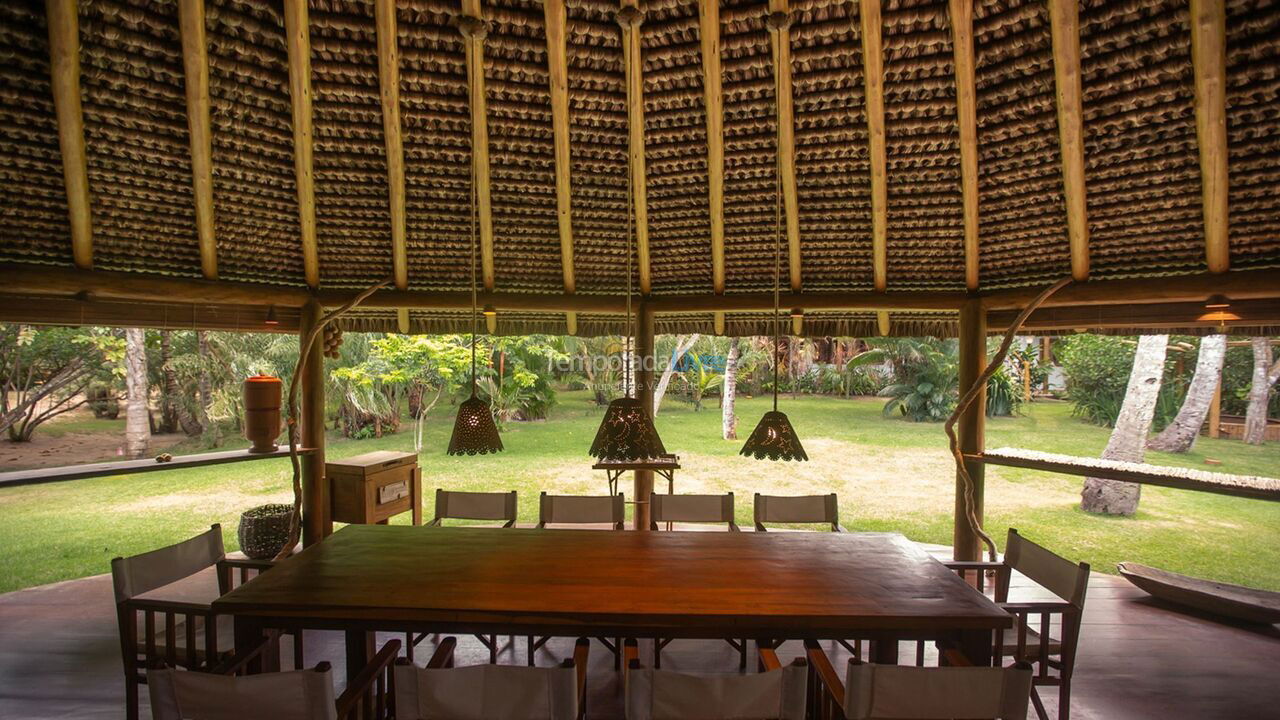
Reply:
x=1265, y=374
x=728, y=420
x=683, y=344
x=1181, y=434
x=137, y=431
x=1128, y=441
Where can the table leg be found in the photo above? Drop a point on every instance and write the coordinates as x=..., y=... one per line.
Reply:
x=359, y=651
x=248, y=633
x=884, y=652
x=976, y=645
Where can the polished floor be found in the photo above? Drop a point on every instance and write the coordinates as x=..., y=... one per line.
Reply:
x=1139, y=659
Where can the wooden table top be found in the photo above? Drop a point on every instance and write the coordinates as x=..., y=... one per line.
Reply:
x=679, y=583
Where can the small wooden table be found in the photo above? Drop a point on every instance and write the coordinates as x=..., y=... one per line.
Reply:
x=766, y=586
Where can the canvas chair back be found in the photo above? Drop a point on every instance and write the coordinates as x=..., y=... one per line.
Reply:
x=581, y=509
x=797, y=509
x=1051, y=571
x=133, y=576
x=456, y=505
x=889, y=692
x=779, y=694
x=692, y=509
x=486, y=692
x=297, y=695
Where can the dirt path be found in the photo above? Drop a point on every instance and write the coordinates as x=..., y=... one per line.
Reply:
x=73, y=449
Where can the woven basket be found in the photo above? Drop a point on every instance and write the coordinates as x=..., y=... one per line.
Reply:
x=264, y=530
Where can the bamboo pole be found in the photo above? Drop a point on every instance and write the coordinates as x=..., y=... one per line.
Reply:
x=195, y=60
x=873, y=79
x=780, y=40
x=64, y=70
x=474, y=38
x=298, y=39
x=966, y=117
x=316, y=520
x=972, y=427
x=713, y=100
x=1209, y=60
x=882, y=323
x=1064, y=21
x=643, y=479
x=558, y=71
x=629, y=21
x=389, y=85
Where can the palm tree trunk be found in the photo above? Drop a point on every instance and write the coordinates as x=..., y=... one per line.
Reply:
x=1128, y=440
x=683, y=343
x=137, y=432
x=1181, y=434
x=728, y=420
x=1255, y=418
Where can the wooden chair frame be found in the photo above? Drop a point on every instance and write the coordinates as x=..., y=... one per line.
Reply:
x=134, y=613
x=1069, y=611
x=443, y=658
x=831, y=511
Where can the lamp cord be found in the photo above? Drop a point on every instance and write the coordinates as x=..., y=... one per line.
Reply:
x=473, y=276
x=627, y=359
x=777, y=256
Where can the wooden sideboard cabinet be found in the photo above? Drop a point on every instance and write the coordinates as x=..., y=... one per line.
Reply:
x=374, y=487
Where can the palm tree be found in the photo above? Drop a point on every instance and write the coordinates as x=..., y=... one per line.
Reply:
x=1181, y=434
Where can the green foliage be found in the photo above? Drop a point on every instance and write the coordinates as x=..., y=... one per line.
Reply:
x=47, y=371
x=1097, y=371
x=1237, y=377
x=925, y=377
x=699, y=379
x=1004, y=394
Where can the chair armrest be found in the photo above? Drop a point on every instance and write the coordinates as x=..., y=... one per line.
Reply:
x=169, y=606
x=973, y=565
x=580, y=651
x=510, y=523
x=830, y=689
x=769, y=658
x=733, y=527
x=247, y=563
x=1042, y=606
x=443, y=656
x=837, y=527
x=236, y=664
x=371, y=677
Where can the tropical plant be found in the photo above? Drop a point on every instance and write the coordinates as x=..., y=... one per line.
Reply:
x=45, y=372
x=699, y=379
x=1004, y=394
x=924, y=375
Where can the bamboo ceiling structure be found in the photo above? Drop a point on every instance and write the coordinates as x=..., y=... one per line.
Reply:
x=211, y=158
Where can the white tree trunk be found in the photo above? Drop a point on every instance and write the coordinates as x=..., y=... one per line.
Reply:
x=683, y=343
x=1255, y=418
x=728, y=420
x=137, y=429
x=1181, y=434
x=1129, y=437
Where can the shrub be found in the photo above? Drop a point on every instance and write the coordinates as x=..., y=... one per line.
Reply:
x=1004, y=394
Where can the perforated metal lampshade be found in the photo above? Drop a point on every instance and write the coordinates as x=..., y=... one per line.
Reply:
x=474, y=432
x=627, y=433
x=775, y=439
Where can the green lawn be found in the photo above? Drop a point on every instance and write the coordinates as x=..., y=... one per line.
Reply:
x=890, y=474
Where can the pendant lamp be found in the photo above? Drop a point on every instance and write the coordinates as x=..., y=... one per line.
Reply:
x=774, y=438
x=627, y=433
x=474, y=432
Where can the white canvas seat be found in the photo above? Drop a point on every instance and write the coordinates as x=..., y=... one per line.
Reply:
x=665, y=695
x=581, y=510
x=797, y=510
x=295, y=695
x=460, y=505
x=691, y=509
x=885, y=692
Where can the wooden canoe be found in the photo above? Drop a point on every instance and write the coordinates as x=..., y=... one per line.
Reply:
x=1233, y=601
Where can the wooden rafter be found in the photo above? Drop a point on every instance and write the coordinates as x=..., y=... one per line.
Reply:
x=558, y=70
x=473, y=33
x=780, y=40
x=1064, y=20
x=64, y=56
x=629, y=20
x=1209, y=58
x=882, y=323
x=298, y=38
x=195, y=60
x=966, y=116
x=713, y=100
x=873, y=78
x=389, y=82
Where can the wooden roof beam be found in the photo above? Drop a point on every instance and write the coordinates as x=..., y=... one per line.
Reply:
x=780, y=40
x=1064, y=21
x=713, y=100
x=298, y=39
x=389, y=83
x=558, y=71
x=1209, y=60
x=195, y=60
x=629, y=21
x=64, y=57
x=873, y=77
x=966, y=116
x=474, y=32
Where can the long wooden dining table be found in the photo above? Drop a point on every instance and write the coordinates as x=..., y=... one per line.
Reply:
x=762, y=585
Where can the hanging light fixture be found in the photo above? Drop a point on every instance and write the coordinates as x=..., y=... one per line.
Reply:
x=627, y=433
x=774, y=438
x=474, y=432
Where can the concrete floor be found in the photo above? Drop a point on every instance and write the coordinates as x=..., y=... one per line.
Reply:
x=1139, y=659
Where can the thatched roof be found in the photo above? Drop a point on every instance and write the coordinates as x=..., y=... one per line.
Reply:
x=1143, y=171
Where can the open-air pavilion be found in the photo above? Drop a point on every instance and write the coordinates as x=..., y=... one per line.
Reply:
x=918, y=167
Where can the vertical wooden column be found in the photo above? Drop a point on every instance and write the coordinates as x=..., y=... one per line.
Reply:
x=1215, y=411
x=644, y=391
x=972, y=426
x=317, y=521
